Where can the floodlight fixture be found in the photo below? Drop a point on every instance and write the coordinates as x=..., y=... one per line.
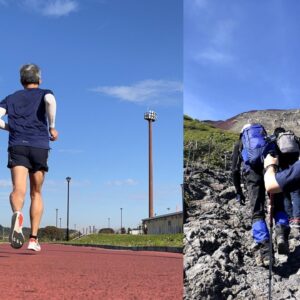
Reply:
x=150, y=116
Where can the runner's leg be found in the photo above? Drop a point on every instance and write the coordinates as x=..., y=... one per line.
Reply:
x=19, y=181
x=36, y=207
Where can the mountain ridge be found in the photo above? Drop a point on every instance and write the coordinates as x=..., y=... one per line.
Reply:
x=269, y=118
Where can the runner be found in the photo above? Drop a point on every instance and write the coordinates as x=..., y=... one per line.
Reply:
x=28, y=111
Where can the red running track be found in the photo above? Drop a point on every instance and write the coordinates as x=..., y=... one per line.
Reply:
x=69, y=272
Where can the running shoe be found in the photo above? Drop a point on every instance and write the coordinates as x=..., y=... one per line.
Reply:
x=16, y=237
x=34, y=245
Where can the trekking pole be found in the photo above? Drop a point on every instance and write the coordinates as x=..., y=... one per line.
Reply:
x=271, y=196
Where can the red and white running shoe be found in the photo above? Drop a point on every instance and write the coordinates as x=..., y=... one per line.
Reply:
x=16, y=237
x=34, y=245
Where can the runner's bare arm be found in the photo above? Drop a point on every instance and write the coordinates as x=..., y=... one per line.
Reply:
x=51, y=113
x=3, y=125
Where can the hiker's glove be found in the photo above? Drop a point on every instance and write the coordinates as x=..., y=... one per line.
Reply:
x=240, y=198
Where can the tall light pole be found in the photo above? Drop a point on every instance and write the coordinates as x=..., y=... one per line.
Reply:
x=108, y=222
x=59, y=222
x=56, y=217
x=150, y=116
x=68, y=180
x=121, y=219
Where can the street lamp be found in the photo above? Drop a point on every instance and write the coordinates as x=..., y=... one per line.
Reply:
x=56, y=217
x=68, y=180
x=150, y=116
x=121, y=219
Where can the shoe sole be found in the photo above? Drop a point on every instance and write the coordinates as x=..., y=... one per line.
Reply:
x=33, y=249
x=16, y=237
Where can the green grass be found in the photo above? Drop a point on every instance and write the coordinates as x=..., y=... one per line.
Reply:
x=206, y=142
x=170, y=240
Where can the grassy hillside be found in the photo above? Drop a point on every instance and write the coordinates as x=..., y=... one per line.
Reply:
x=206, y=143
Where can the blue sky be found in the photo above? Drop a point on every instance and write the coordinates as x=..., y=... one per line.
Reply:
x=107, y=62
x=240, y=56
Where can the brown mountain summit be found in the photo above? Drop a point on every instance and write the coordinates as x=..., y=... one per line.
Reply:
x=270, y=119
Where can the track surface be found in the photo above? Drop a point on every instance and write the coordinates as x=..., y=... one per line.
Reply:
x=69, y=272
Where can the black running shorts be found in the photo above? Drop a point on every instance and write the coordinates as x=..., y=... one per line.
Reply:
x=34, y=159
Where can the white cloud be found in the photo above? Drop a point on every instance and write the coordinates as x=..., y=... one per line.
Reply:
x=215, y=43
x=147, y=91
x=122, y=182
x=51, y=8
x=59, y=8
x=213, y=56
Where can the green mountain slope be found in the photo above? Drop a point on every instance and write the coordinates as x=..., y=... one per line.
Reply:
x=207, y=144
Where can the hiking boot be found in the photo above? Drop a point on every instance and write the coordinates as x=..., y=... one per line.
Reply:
x=16, y=237
x=34, y=245
x=295, y=223
x=282, y=239
x=262, y=255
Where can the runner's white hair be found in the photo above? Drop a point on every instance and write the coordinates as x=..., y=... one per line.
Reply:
x=30, y=73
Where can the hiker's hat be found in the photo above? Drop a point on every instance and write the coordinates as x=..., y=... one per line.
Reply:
x=245, y=126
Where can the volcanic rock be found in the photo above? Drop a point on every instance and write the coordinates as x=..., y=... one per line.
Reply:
x=218, y=247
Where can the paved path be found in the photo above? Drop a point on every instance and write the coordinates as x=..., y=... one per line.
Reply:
x=69, y=272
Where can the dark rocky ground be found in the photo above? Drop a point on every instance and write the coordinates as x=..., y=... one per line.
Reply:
x=219, y=261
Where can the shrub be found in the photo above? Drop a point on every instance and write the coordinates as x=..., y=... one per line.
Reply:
x=51, y=233
x=106, y=230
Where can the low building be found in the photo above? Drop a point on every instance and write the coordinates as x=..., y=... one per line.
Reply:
x=136, y=231
x=164, y=224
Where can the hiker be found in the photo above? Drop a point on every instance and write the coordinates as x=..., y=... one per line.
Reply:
x=28, y=111
x=288, y=154
x=248, y=155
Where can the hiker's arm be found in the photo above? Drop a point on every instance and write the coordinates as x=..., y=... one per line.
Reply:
x=287, y=180
x=3, y=125
x=271, y=183
x=50, y=103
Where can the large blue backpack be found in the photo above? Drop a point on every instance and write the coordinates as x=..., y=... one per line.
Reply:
x=255, y=146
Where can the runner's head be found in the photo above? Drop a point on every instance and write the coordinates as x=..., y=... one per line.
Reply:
x=29, y=74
